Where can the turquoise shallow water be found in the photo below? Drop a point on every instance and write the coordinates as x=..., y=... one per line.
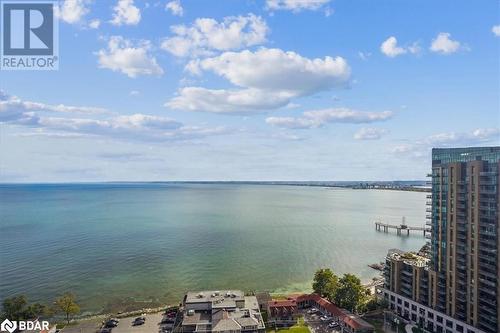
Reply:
x=114, y=243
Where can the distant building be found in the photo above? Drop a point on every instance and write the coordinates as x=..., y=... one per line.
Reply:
x=228, y=311
x=458, y=289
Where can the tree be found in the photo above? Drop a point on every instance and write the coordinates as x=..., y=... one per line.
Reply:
x=350, y=292
x=325, y=283
x=14, y=307
x=17, y=308
x=66, y=304
x=36, y=310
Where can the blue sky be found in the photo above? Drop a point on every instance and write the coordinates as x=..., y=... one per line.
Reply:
x=254, y=90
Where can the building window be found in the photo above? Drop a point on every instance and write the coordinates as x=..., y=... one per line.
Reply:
x=439, y=319
x=449, y=323
x=460, y=328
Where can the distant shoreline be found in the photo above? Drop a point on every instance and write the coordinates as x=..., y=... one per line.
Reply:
x=411, y=186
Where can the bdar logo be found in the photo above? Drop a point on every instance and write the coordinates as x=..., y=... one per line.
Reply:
x=8, y=326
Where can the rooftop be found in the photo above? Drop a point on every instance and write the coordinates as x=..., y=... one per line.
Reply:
x=409, y=258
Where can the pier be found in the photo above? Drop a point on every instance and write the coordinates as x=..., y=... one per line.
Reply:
x=400, y=228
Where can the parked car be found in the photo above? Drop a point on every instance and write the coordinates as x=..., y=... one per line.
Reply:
x=333, y=324
x=312, y=310
x=111, y=323
x=139, y=321
x=106, y=330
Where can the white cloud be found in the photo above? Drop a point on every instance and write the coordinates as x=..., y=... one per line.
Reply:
x=134, y=93
x=226, y=101
x=206, y=35
x=292, y=123
x=496, y=30
x=72, y=11
x=277, y=70
x=138, y=126
x=175, y=7
x=131, y=59
x=94, y=24
x=364, y=55
x=268, y=78
x=125, y=12
x=370, y=133
x=318, y=118
x=295, y=5
x=391, y=48
x=13, y=108
x=443, y=44
x=474, y=137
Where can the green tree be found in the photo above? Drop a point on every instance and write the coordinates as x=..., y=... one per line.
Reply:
x=325, y=283
x=18, y=308
x=66, y=304
x=350, y=293
x=36, y=310
x=14, y=307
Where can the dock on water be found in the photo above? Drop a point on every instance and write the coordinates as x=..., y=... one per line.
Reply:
x=400, y=228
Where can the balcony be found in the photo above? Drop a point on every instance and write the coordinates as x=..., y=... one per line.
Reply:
x=488, y=283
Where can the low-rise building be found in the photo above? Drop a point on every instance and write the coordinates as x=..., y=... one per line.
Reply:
x=285, y=309
x=229, y=311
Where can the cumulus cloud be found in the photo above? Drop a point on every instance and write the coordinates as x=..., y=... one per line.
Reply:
x=207, y=35
x=443, y=44
x=94, y=24
x=391, y=48
x=276, y=70
x=72, y=11
x=370, y=133
x=266, y=79
x=175, y=7
x=295, y=5
x=125, y=12
x=132, y=59
x=496, y=30
x=318, y=118
x=138, y=126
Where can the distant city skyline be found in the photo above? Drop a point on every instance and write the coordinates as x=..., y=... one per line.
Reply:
x=254, y=90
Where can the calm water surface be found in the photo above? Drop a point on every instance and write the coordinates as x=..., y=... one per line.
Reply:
x=118, y=243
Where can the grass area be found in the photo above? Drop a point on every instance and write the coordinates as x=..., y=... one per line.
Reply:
x=61, y=325
x=300, y=327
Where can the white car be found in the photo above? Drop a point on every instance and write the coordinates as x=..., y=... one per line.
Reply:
x=333, y=324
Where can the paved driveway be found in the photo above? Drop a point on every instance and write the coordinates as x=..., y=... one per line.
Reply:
x=152, y=325
x=316, y=325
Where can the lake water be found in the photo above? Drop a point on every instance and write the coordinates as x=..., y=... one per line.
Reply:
x=118, y=245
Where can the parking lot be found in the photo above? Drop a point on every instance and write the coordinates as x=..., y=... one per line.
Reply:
x=316, y=325
x=151, y=325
